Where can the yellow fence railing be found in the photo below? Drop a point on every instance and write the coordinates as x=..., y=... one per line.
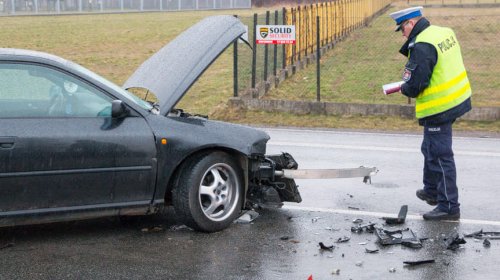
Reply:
x=337, y=19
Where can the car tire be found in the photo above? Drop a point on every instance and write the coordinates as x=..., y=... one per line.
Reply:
x=208, y=194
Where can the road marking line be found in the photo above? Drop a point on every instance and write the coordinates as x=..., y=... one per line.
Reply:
x=375, y=148
x=380, y=215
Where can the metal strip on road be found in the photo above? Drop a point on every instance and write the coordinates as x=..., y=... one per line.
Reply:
x=374, y=148
x=380, y=215
x=327, y=173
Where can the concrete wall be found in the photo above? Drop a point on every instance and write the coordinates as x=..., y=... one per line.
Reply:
x=329, y=108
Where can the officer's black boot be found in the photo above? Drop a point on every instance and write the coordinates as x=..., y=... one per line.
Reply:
x=427, y=198
x=437, y=214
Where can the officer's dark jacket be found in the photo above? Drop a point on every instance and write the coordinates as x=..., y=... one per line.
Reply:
x=421, y=64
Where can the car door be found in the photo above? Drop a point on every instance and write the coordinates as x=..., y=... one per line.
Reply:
x=61, y=150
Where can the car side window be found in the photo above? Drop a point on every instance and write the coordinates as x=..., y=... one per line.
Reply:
x=28, y=90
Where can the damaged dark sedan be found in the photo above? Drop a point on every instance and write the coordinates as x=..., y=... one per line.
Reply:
x=76, y=146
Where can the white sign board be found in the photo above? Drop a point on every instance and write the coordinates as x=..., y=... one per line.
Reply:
x=275, y=34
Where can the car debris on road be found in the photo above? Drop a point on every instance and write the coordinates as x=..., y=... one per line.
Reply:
x=369, y=227
x=405, y=237
x=484, y=234
x=400, y=219
x=413, y=263
x=453, y=241
x=324, y=247
x=247, y=217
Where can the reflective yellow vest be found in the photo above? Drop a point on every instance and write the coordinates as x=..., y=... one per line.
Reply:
x=449, y=85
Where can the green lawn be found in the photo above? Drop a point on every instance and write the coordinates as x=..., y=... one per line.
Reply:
x=355, y=70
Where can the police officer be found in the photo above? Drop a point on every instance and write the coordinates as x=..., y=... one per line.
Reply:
x=435, y=76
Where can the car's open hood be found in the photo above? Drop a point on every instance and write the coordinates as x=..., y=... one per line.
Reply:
x=171, y=71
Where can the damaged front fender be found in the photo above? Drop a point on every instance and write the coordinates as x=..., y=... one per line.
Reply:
x=268, y=190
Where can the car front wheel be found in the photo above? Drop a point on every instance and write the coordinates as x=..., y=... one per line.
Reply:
x=208, y=194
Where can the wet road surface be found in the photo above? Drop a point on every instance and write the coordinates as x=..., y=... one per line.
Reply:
x=283, y=243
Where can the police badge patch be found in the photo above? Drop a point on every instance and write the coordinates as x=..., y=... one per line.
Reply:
x=409, y=68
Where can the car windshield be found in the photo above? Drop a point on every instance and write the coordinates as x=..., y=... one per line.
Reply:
x=130, y=96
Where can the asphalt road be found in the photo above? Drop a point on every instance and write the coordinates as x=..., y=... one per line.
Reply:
x=284, y=243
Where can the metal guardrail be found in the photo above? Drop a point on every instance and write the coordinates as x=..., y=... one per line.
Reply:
x=29, y=7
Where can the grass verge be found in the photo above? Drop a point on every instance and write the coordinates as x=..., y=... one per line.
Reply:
x=113, y=45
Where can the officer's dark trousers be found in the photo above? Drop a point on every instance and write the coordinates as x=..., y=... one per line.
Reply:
x=439, y=167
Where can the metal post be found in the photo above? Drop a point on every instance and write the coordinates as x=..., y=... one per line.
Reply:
x=275, y=72
x=235, y=66
x=318, y=53
x=284, y=46
x=121, y=5
x=266, y=52
x=306, y=23
x=297, y=20
x=36, y=6
x=327, y=22
x=141, y=8
x=196, y=5
x=161, y=5
x=179, y=3
x=12, y=7
x=254, y=49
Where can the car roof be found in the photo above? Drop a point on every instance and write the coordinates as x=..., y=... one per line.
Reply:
x=31, y=55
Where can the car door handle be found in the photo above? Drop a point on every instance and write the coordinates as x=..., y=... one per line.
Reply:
x=7, y=142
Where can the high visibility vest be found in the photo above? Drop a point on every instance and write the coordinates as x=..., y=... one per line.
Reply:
x=449, y=85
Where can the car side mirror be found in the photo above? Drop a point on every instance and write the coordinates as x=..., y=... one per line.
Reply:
x=118, y=109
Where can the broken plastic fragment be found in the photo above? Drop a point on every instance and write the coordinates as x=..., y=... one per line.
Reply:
x=332, y=229
x=392, y=269
x=370, y=227
x=400, y=219
x=357, y=221
x=343, y=239
x=484, y=234
x=453, y=241
x=324, y=247
x=370, y=251
x=179, y=227
x=405, y=237
x=247, y=217
x=418, y=262
x=486, y=243
x=336, y=271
